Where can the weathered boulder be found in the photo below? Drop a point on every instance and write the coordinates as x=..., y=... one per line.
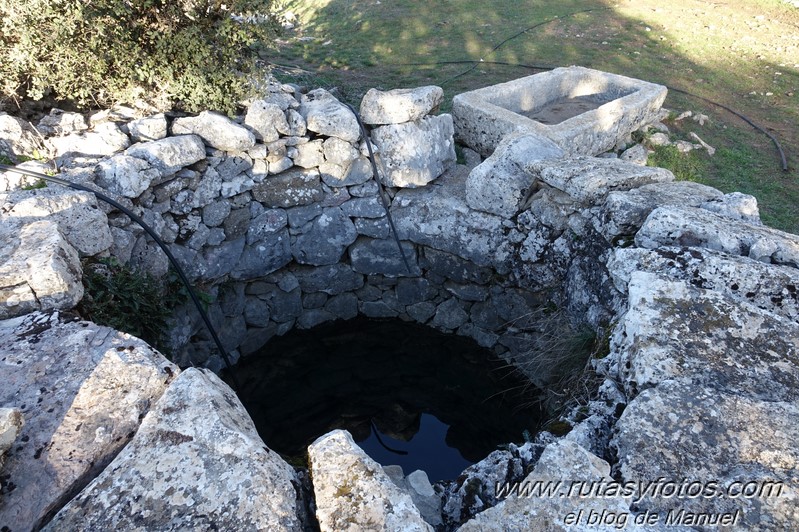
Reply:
x=687, y=226
x=440, y=218
x=196, y=462
x=767, y=286
x=125, y=175
x=590, y=179
x=39, y=270
x=370, y=256
x=353, y=492
x=676, y=332
x=83, y=390
x=105, y=139
x=526, y=506
x=270, y=252
x=17, y=137
x=735, y=205
x=267, y=120
x=624, y=212
x=216, y=130
x=327, y=116
x=148, y=128
x=415, y=153
x=76, y=213
x=738, y=450
x=170, y=154
x=397, y=106
x=59, y=122
x=326, y=240
x=292, y=188
x=501, y=184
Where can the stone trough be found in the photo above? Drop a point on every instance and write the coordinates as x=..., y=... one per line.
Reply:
x=584, y=111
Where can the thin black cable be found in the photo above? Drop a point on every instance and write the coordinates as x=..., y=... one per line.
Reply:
x=380, y=440
x=381, y=191
x=161, y=244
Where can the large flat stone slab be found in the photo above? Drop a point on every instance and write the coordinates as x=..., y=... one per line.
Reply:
x=687, y=226
x=675, y=332
x=196, y=463
x=767, y=286
x=83, y=390
x=696, y=437
x=590, y=179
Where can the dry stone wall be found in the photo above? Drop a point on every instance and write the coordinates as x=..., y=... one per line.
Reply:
x=278, y=217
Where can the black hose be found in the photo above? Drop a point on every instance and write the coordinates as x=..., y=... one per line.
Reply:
x=158, y=241
x=380, y=441
x=381, y=191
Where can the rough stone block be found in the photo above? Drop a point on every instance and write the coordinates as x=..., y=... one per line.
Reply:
x=190, y=467
x=218, y=131
x=397, y=106
x=83, y=390
x=415, y=153
x=370, y=256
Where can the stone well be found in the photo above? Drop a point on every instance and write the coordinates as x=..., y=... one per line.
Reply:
x=600, y=109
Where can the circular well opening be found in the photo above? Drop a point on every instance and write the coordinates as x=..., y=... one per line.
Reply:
x=409, y=395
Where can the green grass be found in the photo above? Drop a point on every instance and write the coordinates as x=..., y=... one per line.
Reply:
x=743, y=54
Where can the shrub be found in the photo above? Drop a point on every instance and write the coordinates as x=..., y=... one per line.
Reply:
x=194, y=54
x=130, y=301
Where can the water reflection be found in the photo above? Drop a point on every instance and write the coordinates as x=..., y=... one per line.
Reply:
x=439, y=397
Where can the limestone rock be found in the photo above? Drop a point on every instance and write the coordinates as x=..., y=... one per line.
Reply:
x=17, y=137
x=415, y=153
x=767, y=286
x=327, y=116
x=332, y=279
x=195, y=463
x=270, y=253
x=170, y=154
x=397, y=106
x=148, y=128
x=216, y=130
x=83, y=390
x=39, y=270
x=735, y=205
x=77, y=214
x=440, y=218
x=353, y=492
x=676, y=332
x=125, y=175
x=11, y=423
x=624, y=212
x=267, y=120
x=681, y=430
x=59, y=122
x=326, y=240
x=686, y=226
x=11, y=180
x=370, y=256
x=637, y=154
x=106, y=139
x=590, y=179
x=560, y=461
x=501, y=184
x=355, y=172
x=289, y=189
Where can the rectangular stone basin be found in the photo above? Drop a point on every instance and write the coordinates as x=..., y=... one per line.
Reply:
x=584, y=111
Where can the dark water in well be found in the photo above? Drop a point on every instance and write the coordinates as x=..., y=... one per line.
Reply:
x=439, y=398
